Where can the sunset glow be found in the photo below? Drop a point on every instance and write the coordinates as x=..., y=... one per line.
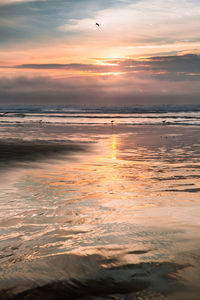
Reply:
x=152, y=48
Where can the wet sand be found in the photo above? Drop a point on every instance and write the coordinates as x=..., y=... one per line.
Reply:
x=99, y=212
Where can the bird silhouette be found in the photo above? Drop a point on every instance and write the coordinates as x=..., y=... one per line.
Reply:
x=97, y=24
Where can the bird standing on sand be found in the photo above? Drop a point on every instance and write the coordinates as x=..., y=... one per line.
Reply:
x=97, y=24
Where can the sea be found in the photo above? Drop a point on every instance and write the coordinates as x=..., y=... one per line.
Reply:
x=135, y=115
x=100, y=202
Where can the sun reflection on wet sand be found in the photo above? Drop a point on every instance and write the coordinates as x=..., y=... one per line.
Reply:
x=134, y=191
x=114, y=147
x=119, y=182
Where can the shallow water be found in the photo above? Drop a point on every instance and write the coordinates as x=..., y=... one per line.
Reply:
x=99, y=212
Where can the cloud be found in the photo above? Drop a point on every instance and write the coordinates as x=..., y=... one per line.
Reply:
x=143, y=21
x=179, y=68
x=75, y=66
x=31, y=20
x=8, y=2
x=99, y=90
x=122, y=23
x=183, y=67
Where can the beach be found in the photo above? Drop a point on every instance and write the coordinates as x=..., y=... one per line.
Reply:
x=99, y=211
x=99, y=150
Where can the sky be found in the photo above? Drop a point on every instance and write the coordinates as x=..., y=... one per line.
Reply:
x=144, y=52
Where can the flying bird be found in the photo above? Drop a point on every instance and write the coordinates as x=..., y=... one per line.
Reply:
x=97, y=24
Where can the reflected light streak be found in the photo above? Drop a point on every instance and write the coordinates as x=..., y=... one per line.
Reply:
x=114, y=142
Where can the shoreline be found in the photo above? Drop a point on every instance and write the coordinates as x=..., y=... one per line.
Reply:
x=110, y=212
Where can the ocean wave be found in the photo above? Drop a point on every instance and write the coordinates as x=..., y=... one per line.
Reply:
x=105, y=122
x=95, y=110
x=103, y=116
x=148, y=115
